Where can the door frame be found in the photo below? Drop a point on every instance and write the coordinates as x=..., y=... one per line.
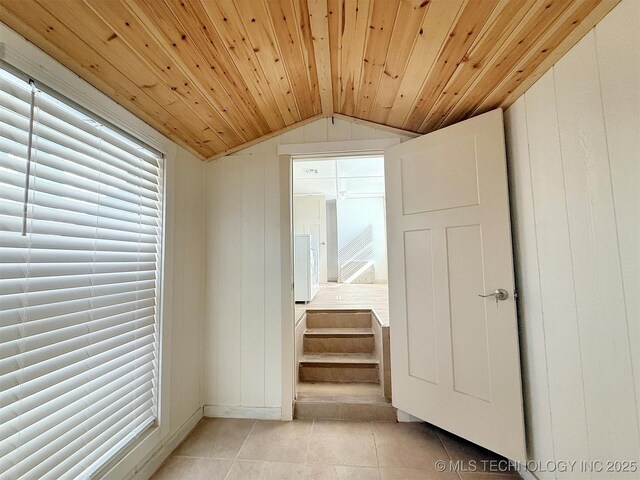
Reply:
x=285, y=156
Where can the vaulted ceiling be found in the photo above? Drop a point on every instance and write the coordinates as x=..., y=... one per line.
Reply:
x=216, y=74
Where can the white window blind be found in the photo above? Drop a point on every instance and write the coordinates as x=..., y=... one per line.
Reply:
x=79, y=286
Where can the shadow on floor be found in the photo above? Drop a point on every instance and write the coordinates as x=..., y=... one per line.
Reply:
x=235, y=449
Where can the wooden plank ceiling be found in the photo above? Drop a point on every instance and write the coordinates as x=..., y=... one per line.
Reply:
x=216, y=74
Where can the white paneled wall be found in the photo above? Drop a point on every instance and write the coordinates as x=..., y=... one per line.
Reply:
x=242, y=338
x=185, y=307
x=574, y=160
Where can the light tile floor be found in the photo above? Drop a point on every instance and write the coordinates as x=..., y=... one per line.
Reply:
x=231, y=449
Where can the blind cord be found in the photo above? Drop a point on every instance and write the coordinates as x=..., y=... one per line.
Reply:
x=29, y=145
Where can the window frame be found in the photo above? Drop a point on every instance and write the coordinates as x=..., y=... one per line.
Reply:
x=143, y=446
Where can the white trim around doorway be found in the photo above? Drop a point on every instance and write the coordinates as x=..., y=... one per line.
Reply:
x=286, y=154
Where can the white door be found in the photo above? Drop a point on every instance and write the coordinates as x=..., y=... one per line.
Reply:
x=454, y=355
x=310, y=216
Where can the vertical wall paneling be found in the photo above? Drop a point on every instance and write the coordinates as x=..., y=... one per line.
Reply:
x=176, y=299
x=186, y=314
x=618, y=47
x=532, y=332
x=272, y=293
x=562, y=328
x=252, y=328
x=315, y=132
x=194, y=268
x=230, y=304
x=212, y=283
x=574, y=160
x=594, y=251
x=177, y=399
x=243, y=359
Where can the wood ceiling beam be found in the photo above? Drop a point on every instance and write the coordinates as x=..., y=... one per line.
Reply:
x=355, y=32
x=319, y=20
x=379, y=126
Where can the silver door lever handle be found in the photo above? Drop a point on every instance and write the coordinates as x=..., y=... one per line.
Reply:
x=500, y=294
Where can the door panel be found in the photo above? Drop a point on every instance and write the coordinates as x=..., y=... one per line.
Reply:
x=455, y=359
x=448, y=181
x=468, y=314
x=421, y=327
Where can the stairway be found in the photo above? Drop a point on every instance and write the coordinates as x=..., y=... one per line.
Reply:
x=339, y=372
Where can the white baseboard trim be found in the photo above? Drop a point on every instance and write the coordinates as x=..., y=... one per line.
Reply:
x=404, y=417
x=146, y=470
x=258, y=413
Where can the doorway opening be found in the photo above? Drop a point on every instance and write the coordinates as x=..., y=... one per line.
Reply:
x=339, y=203
x=340, y=287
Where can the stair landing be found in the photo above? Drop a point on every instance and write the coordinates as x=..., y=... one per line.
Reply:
x=343, y=401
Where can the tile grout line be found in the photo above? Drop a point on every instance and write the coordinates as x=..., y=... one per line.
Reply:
x=375, y=447
x=446, y=450
x=305, y=464
x=306, y=453
x=235, y=459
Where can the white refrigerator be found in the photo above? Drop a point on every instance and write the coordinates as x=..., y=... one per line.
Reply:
x=306, y=266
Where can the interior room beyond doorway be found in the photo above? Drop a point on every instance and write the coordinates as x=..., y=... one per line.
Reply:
x=339, y=207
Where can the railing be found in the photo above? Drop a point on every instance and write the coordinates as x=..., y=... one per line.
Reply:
x=355, y=255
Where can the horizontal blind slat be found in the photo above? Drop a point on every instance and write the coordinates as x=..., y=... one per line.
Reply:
x=78, y=291
x=39, y=247
x=39, y=465
x=51, y=212
x=40, y=390
x=59, y=282
x=10, y=219
x=63, y=296
x=149, y=223
x=41, y=312
x=90, y=163
x=15, y=87
x=65, y=347
x=13, y=170
x=106, y=433
x=72, y=163
x=52, y=168
x=126, y=310
x=61, y=417
x=32, y=409
x=58, y=110
x=94, y=454
x=10, y=271
x=110, y=153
